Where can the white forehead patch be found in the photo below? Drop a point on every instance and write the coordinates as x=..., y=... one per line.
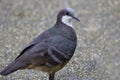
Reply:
x=66, y=20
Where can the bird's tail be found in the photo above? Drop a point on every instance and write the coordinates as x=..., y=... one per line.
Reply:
x=14, y=66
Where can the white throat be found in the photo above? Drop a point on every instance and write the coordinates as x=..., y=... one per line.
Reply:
x=66, y=20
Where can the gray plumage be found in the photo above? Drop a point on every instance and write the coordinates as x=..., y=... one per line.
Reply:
x=49, y=52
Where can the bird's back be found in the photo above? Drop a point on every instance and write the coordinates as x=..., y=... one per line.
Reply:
x=50, y=51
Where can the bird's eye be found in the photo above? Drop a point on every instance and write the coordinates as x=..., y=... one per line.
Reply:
x=67, y=13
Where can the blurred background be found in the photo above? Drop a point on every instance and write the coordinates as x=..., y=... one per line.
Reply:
x=97, y=56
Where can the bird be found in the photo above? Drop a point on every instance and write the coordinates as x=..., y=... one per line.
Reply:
x=51, y=50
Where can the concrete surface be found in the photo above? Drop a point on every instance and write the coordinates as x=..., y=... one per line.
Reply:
x=97, y=56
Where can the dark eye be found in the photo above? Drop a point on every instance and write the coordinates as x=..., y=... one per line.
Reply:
x=67, y=13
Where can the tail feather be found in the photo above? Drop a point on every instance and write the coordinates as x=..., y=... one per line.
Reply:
x=14, y=66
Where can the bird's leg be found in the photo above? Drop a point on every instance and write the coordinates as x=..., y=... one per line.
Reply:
x=51, y=76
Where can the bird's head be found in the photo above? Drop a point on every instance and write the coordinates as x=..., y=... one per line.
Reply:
x=65, y=16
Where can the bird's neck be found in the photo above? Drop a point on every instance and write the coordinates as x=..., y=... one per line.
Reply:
x=65, y=31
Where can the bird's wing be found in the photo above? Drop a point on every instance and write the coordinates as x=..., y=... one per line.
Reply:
x=61, y=50
x=51, y=51
x=34, y=54
x=55, y=57
x=31, y=56
x=25, y=49
x=33, y=43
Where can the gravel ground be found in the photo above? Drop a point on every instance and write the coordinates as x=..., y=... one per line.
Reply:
x=97, y=56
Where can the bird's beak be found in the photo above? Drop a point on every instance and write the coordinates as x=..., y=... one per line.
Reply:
x=74, y=17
